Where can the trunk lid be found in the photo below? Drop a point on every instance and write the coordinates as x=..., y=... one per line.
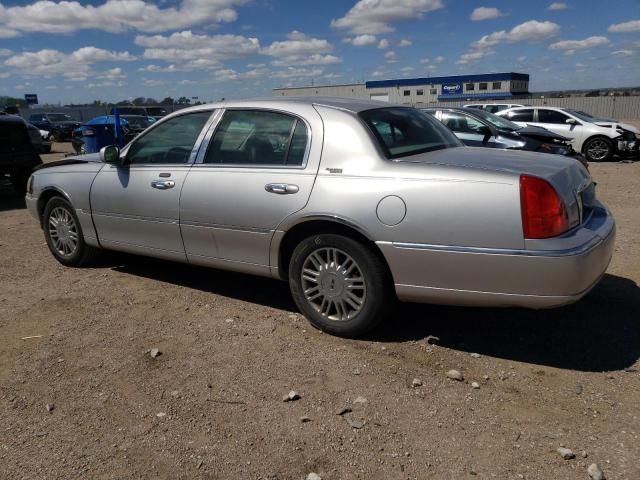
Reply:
x=567, y=175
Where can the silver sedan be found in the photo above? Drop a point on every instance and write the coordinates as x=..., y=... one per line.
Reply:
x=355, y=203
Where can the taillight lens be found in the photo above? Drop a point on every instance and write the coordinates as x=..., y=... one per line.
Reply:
x=89, y=132
x=543, y=212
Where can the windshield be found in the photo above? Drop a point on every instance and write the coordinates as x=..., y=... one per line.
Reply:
x=496, y=121
x=138, y=122
x=157, y=111
x=406, y=131
x=59, y=117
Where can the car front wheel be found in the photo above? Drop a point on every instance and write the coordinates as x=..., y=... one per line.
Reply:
x=598, y=149
x=63, y=234
x=340, y=284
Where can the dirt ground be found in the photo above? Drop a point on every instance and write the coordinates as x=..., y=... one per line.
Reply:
x=210, y=406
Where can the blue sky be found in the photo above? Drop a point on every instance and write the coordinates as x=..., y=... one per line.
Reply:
x=117, y=49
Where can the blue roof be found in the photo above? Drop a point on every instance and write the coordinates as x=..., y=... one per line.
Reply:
x=486, y=77
x=477, y=96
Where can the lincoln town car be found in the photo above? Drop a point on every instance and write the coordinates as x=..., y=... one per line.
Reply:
x=354, y=203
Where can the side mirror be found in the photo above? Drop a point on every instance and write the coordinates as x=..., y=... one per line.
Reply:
x=111, y=154
x=571, y=121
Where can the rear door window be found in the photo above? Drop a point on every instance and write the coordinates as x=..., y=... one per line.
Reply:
x=551, y=116
x=525, y=115
x=258, y=137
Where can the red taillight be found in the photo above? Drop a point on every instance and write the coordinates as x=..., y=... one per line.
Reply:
x=543, y=212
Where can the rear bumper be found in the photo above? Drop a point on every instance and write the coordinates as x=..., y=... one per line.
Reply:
x=504, y=278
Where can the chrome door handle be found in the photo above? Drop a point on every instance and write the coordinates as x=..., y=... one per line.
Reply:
x=281, y=188
x=163, y=184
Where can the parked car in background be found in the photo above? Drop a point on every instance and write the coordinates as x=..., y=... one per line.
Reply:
x=353, y=202
x=100, y=131
x=493, y=107
x=597, y=139
x=479, y=128
x=18, y=155
x=155, y=112
x=59, y=125
x=39, y=138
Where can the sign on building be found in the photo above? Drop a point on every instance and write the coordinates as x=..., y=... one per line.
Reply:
x=451, y=88
x=31, y=98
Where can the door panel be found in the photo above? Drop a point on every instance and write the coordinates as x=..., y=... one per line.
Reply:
x=556, y=122
x=129, y=212
x=258, y=169
x=137, y=207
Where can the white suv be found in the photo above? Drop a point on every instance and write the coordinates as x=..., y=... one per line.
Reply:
x=493, y=107
x=598, y=139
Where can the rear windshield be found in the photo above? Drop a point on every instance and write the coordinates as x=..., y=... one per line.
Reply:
x=402, y=132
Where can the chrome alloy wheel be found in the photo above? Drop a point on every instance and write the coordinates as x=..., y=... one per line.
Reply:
x=63, y=231
x=333, y=284
x=598, y=150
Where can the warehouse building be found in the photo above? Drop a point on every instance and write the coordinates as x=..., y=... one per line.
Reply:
x=490, y=86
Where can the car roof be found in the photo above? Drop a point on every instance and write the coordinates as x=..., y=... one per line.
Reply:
x=354, y=105
x=8, y=118
x=460, y=109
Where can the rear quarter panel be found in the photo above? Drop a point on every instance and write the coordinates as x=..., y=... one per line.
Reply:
x=443, y=205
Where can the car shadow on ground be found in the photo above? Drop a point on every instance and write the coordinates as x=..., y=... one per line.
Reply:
x=599, y=333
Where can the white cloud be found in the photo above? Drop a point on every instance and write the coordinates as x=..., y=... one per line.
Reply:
x=407, y=69
x=297, y=73
x=376, y=16
x=384, y=43
x=5, y=52
x=93, y=54
x=630, y=26
x=188, y=52
x=75, y=66
x=557, y=6
x=362, y=40
x=424, y=61
x=391, y=57
x=153, y=82
x=112, y=74
x=623, y=53
x=405, y=43
x=521, y=59
x=485, y=13
x=113, y=16
x=299, y=49
x=570, y=46
x=531, y=31
x=439, y=59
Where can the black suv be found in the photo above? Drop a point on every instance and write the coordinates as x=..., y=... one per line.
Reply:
x=59, y=125
x=18, y=156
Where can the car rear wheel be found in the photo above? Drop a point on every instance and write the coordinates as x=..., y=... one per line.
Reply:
x=598, y=149
x=63, y=234
x=339, y=284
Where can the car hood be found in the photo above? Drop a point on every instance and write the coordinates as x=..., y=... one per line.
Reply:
x=88, y=162
x=539, y=132
x=67, y=123
x=615, y=124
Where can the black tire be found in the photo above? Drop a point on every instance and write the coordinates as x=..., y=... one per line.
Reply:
x=598, y=149
x=19, y=181
x=376, y=297
x=82, y=254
